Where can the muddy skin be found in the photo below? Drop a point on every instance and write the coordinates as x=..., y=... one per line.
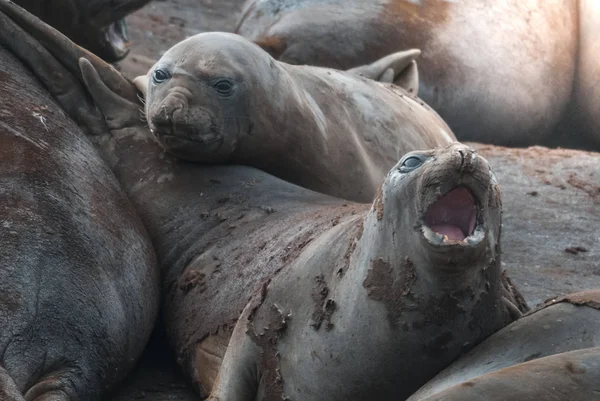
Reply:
x=78, y=276
x=563, y=324
x=97, y=25
x=490, y=86
x=406, y=304
x=217, y=98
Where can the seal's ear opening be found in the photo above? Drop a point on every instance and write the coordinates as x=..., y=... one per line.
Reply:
x=141, y=83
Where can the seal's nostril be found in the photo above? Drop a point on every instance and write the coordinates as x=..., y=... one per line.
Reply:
x=462, y=158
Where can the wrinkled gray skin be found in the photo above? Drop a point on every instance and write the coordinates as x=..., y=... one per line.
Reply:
x=223, y=233
x=569, y=376
x=78, y=276
x=561, y=325
x=218, y=98
x=509, y=85
x=405, y=304
x=97, y=25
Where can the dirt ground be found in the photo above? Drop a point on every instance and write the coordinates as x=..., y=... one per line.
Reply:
x=551, y=198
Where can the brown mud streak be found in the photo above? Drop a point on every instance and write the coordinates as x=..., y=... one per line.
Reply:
x=267, y=341
x=319, y=295
x=379, y=203
x=585, y=298
x=383, y=285
x=355, y=238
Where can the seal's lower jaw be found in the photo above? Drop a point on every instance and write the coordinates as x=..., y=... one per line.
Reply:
x=114, y=41
x=452, y=220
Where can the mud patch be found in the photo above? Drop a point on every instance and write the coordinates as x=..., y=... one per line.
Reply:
x=355, y=238
x=267, y=341
x=323, y=308
x=589, y=298
x=393, y=290
x=378, y=204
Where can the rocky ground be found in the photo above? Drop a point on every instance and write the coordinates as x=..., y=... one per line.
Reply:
x=551, y=230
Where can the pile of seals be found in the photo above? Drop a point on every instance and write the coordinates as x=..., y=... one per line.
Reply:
x=320, y=235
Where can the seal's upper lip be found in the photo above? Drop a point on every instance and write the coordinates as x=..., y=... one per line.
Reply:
x=453, y=219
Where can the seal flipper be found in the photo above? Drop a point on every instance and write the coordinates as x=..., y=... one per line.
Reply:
x=8, y=388
x=404, y=71
x=239, y=376
x=54, y=76
x=119, y=112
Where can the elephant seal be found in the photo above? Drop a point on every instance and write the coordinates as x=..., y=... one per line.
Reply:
x=569, y=376
x=563, y=324
x=251, y=229
x=506, y=86
x=215, y=98
x=97, y=25
x=79, y=288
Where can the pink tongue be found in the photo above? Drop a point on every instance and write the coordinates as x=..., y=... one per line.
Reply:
x=452, y=232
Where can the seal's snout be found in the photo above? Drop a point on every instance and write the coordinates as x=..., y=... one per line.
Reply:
x=465, y=158
x=454, y=215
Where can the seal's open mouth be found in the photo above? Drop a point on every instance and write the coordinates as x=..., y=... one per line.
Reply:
x=115, y=35
x=452, y=218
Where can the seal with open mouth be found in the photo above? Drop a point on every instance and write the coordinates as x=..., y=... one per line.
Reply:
x=218, y=98
x=422, y=284
x=97, y=25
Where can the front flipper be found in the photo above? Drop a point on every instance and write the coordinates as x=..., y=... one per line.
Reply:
x=399, y=68
x=239, y=376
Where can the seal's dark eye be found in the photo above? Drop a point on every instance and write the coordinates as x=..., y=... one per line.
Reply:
x=159, y=76
x=411, y=163
x=224, y=87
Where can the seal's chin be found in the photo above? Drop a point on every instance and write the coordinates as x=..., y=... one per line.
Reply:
x=453, y=220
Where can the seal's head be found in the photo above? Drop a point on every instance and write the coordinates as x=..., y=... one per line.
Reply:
x=451, y=200
x=198, y=95
x=96, y=25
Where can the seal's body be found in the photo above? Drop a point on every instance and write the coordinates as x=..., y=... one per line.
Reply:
x=496, y=72
x=216, y=97
x=561, y=325
x=419, y=284
x=78, y=275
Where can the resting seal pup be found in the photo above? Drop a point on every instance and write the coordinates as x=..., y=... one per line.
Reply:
x=79, y=283
x=222, y=233
x=501, y=73
x=216, y=98
x=97, y=25
x=560, y=325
